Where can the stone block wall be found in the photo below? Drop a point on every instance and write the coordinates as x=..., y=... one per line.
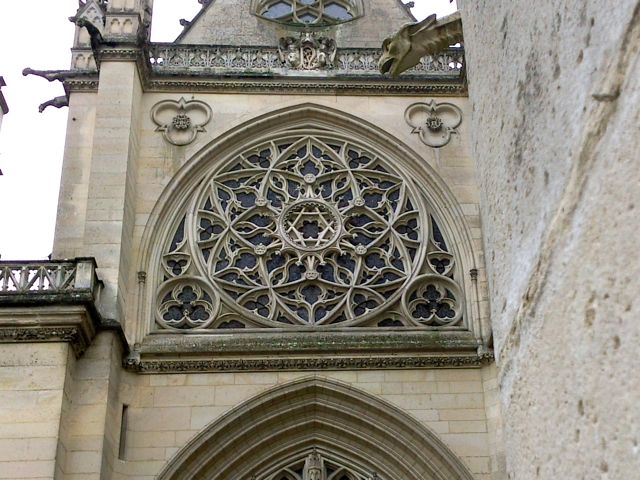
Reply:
x=556, y=95
x=117, y=166
x=166, y=411
x=32, y=391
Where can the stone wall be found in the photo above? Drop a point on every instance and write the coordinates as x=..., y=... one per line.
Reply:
x=32, y=389
x=166, y=411
x=556, y=93
x=117, y=166
x=228, y=22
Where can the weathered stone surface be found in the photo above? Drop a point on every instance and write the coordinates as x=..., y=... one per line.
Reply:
x=229, y=22
x=557, y=151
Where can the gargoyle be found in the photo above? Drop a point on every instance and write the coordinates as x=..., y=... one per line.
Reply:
x=430, y=36
x=94, y=33
x=50, y=75
x=57, y=102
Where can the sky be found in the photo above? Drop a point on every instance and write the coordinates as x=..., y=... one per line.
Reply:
x=32, y=144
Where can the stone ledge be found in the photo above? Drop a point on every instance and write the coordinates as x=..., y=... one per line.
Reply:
x=277, y=351
x=187, y=365
x=75, y=324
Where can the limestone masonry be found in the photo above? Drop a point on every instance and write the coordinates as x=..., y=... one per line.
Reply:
x=269, y=260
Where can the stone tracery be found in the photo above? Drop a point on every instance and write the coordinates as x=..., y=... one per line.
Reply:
x=309, y=12
x=308, y=229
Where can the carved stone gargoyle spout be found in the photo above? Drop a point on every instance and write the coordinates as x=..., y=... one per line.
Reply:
x=415, y=40
x=50, y=75
x=57, y=102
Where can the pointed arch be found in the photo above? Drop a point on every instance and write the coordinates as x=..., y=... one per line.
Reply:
x=315, y=414
x=301, y=118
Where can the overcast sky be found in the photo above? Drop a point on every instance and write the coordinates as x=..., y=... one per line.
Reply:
x=38, y=34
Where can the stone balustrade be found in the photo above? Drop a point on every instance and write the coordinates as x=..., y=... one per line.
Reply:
x=50, y=301
x=251, y=60
x=48, y=277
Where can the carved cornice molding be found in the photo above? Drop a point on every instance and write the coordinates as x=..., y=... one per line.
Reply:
x=56, y=323
x=308, y=364
x=311, y=87
x=123, y=53
x=308, y=350
x=91, y=84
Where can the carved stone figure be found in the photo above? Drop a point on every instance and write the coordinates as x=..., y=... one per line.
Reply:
x=405, y=49
x=50, y=75
x=57, y=102
x=307, y=52
x=91, y=15
x=314, y=467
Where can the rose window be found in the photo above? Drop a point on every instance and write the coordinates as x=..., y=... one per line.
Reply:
x=309, y=12
x=308, y=231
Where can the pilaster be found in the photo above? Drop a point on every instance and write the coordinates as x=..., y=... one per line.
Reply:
x=110, y=204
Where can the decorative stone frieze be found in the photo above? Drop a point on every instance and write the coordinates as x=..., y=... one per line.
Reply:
x=181, y=121
x=434, y=122
x=247, y=60
x=180, y=364
x=307, y=52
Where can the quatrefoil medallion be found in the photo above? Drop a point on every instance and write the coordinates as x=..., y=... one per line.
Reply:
x=181, y=121
x=434, y=122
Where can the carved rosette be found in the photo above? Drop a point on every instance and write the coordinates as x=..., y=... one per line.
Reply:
x=434, y=122
x=307, y=52
x=181, y=121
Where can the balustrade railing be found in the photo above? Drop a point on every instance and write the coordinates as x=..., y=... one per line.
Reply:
x=202, y=59
x=34, y=277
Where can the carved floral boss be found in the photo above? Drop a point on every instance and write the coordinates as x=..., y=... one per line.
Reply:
x=434, y=122
x=181, y=121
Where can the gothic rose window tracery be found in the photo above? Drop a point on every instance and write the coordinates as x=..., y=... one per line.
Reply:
x=309, y=12
x=308, y=230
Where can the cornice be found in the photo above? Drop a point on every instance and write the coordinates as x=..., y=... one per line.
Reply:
x=74, y=324
x=395, y=362
x=334, y=350
x=355, y=72
x=284, y=86
x=310, y=87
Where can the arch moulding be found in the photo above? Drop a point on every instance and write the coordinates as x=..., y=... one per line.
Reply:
x=366, y=436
